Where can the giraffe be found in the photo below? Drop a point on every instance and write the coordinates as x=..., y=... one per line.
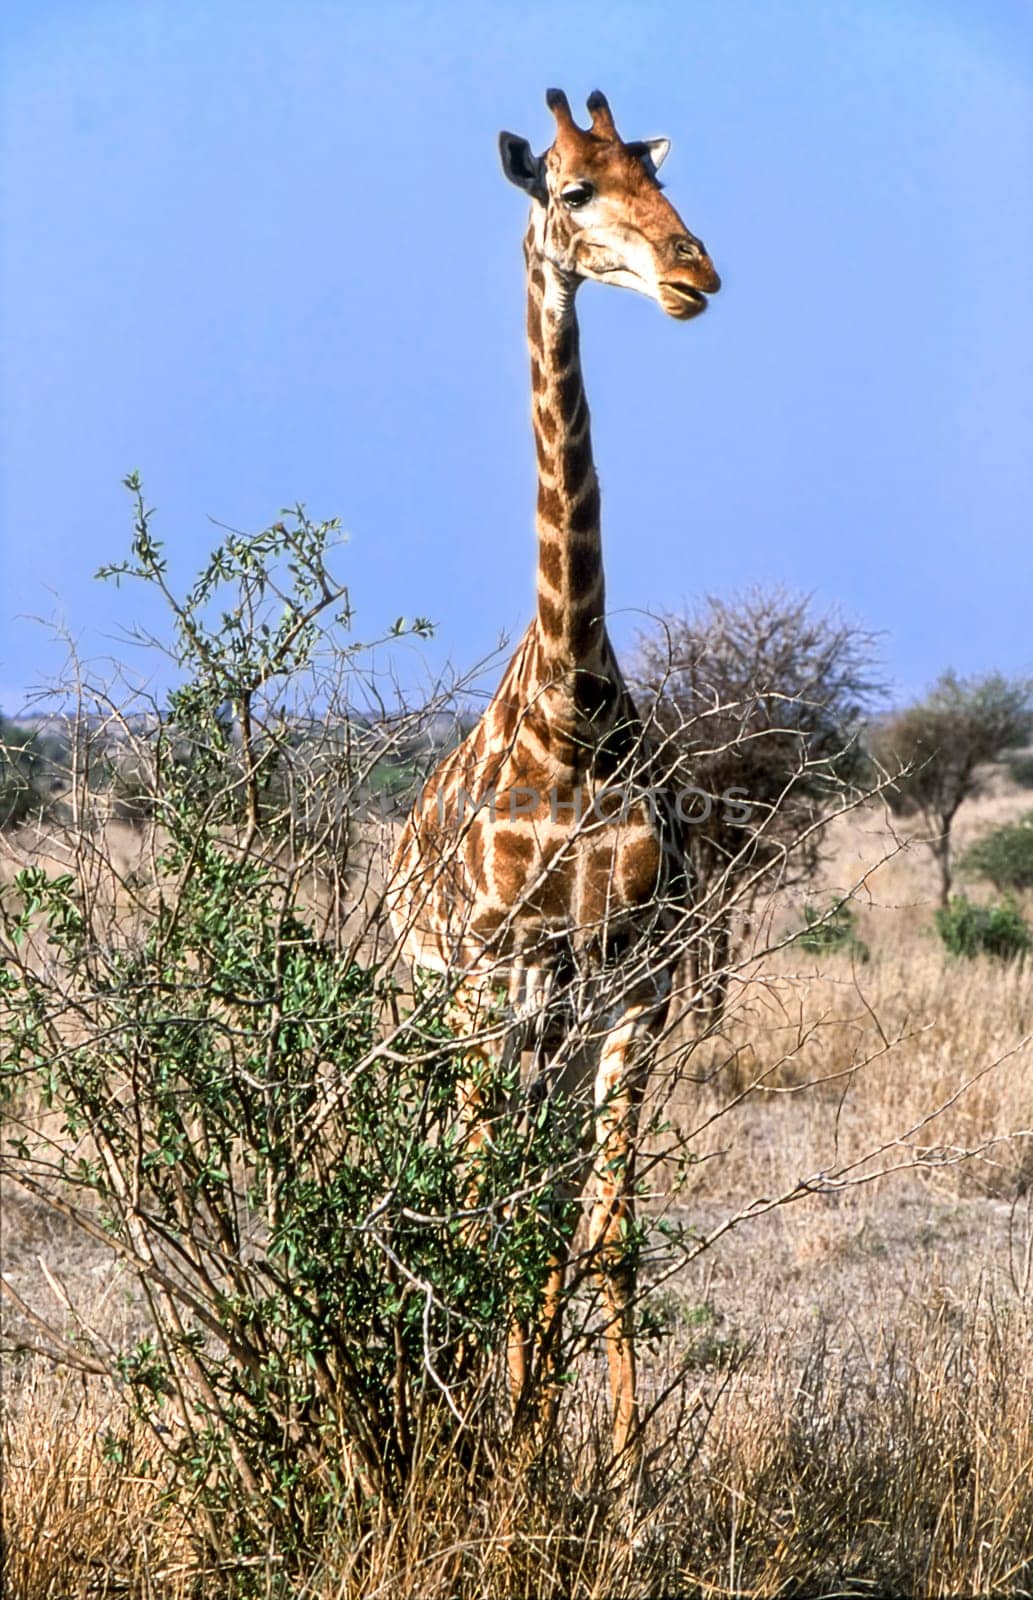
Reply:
x=508, y=862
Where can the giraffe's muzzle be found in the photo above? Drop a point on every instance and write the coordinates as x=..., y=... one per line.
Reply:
x=682, y=301
x=683, y=294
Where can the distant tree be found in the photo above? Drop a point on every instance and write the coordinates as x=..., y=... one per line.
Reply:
x=938, y=745
x=31, y=767
x=763, y=700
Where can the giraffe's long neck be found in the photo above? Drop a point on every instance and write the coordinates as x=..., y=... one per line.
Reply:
x=571, y=600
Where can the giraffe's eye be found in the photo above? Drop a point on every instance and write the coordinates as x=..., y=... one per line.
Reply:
x=576, y=195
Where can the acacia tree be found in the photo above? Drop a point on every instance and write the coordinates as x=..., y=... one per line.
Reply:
x=762, y=700
x=938, y=744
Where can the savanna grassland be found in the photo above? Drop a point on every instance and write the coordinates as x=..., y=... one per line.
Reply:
x=841, y=1377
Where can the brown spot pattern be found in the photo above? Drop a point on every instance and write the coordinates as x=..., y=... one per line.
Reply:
x=550, y=616
x=550, y=561
x=550, y=505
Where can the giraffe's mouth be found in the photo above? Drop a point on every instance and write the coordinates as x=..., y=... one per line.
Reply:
x=681, y=301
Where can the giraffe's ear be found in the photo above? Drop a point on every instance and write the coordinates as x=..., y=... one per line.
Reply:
x=652, y=153
x=527, y=171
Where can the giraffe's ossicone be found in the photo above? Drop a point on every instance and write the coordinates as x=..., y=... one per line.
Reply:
x=547, y=843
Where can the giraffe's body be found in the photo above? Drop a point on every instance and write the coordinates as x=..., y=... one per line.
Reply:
x=545, y=842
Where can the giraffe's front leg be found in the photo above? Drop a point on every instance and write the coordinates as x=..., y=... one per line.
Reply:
x=619, y=1085
x=473, y=1015
x=470, y=1014
x=534, y=1343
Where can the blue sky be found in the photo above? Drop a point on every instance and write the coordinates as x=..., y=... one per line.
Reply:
x=264, y=252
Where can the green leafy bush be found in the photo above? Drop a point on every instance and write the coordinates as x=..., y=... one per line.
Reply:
x=263, y=1130
x=971, y=930
x=825, y=932
x=1020, y=769
x=1005, y=856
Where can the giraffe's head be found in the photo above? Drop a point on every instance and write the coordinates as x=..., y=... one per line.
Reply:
x=599, y=212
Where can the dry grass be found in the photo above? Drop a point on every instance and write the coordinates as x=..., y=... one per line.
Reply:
x=77, y=1522
x=856, y=1369
x=911, y=1057
x=896, y=1459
